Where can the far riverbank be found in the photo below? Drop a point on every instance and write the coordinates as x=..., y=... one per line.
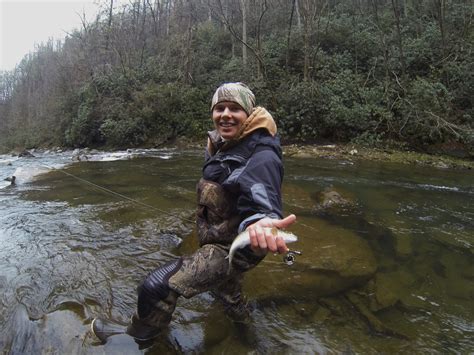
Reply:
x=353, y=152
x=350, y=152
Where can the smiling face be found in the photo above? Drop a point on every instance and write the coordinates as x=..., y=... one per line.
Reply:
x=228, y=118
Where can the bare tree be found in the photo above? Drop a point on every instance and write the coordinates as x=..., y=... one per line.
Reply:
x=224, y=18
x=440, y=8
x=396, y=12
x=311, y=12
x=288, y=37
x=383, y=42
x=243, y=6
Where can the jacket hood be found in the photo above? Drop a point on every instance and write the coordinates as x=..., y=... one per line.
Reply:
x=260, y=118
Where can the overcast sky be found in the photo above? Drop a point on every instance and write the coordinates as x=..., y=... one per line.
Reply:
x=26, y=22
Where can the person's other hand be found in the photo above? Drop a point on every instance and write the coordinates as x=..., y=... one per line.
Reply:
x=262, y=241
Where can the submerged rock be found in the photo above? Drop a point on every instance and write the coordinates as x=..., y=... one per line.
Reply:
x=454, y=240
x=374, y=322
x=332, y=200
x=383, y=291
x=343, y=258
x=403, y=245
x=334, y=259
x=321, y=315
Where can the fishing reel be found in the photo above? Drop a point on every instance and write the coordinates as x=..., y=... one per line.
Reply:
x=290, y=257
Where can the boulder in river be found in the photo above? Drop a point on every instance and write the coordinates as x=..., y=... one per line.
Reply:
x=333, y=201
x=11, y=179
x=384, y=291
x=80, y=154
x=26, y=154
x=341, y=256
x=334, y=259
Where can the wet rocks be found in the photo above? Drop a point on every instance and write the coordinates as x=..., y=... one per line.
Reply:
x=383, y=291
x=330, y=200
x=453, y=239
x=442, y=165
x=334, y=259
x=341, y=259
x=375, y=323
x=353, y=153
x=25, y=154
x=403, y=245
x=321, y=315
x=80, y=154
x=11, y=179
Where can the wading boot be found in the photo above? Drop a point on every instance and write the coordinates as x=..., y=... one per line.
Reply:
x=155, y=306
x=103, y=328
x=152, y=316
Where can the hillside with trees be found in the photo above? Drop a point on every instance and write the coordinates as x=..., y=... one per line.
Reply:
x=366, y=71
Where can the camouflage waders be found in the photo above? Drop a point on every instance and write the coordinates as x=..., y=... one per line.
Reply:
x=205, y=270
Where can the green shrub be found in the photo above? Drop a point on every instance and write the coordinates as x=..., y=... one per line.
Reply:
x=84, y=128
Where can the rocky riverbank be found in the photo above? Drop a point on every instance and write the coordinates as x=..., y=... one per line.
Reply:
x=348, y=152
x=354, y=153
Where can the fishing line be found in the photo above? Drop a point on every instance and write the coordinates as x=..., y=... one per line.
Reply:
x=143, y=204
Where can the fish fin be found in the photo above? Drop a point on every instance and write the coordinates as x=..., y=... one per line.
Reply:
x=227, y=257
x=274, y=231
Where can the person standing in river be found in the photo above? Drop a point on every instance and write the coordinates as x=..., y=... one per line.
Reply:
x=240, y=190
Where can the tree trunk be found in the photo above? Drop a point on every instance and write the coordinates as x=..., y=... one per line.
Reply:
x=288, y=39
x=154, y=15
x=354, y=22
x=263, y=10
x=384, y=45
x=311, y=12
x=441, y=9
x=396, y=12
x=109, y=25
x=244, y=31
x=298, y=15
x=143, y=35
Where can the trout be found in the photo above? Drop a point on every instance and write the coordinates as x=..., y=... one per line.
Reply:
x=243, y=239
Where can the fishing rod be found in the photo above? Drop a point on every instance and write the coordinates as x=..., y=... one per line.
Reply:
x=114, y=193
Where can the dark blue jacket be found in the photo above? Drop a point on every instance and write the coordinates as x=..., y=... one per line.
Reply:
x=252, y=171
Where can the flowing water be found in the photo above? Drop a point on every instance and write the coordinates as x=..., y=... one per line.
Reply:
x=71, y=251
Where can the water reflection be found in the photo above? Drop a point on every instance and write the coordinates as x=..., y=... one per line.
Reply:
x=70, y=252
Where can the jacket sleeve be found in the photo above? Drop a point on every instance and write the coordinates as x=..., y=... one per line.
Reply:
x=258, y=185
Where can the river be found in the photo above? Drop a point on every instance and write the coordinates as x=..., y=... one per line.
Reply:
x=71, y=251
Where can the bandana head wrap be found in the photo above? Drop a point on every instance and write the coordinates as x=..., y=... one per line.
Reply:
x=235, y=92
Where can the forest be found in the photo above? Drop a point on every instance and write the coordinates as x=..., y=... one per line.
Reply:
x=373, y=72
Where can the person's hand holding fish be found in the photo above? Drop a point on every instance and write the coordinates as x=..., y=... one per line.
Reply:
x=263, y=240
